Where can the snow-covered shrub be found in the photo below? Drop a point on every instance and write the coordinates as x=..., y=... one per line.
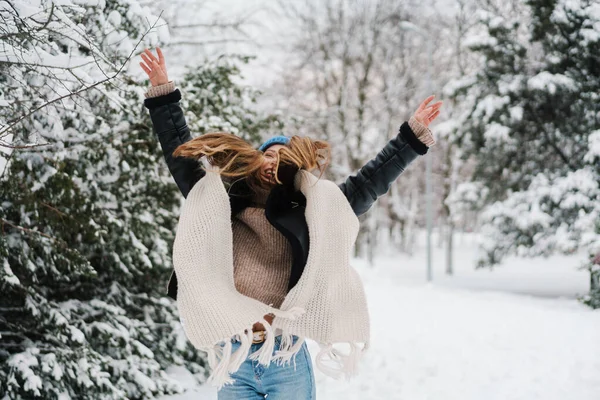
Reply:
x=533, y=129
x=88, y=210
x=552, y=215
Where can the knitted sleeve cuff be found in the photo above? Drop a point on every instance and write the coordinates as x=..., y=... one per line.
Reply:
x=160, y=90
x=422, y=132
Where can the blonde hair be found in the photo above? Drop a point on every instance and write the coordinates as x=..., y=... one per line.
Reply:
x=237, y=158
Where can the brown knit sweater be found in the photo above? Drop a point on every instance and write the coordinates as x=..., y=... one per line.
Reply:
x=262, y=256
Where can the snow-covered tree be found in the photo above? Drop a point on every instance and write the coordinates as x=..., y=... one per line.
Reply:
x=89, y=210
x=87, y=218
x=533, y=129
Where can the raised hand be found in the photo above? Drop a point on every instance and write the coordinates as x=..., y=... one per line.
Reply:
x=155, y=67
x=425, y=114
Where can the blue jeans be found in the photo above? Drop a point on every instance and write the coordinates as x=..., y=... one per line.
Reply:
x=255, y=381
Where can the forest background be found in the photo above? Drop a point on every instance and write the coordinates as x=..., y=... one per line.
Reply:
x=89, y=211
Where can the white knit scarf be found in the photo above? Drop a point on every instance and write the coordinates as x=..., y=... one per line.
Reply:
x=327, y=304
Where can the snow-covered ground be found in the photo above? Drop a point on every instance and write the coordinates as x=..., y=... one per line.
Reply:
x=513, y=333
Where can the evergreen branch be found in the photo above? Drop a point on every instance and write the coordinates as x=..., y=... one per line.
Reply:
x=10, y=156
x=31, y=231
x=26, y=146
x=62, y=214
x=136, y=142
x=31, y=334
x=552, y=143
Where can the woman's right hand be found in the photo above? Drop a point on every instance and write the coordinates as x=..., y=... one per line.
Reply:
x=155, y=68
x=425, y=114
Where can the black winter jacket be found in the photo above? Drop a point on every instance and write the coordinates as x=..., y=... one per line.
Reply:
x=285, y=206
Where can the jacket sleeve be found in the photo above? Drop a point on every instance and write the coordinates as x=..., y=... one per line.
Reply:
x=376, y=176
x=172, y=130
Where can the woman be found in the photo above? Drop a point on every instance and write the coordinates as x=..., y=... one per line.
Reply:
x=262, y=247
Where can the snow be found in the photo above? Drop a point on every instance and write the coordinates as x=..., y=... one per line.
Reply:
x=551, y=82
x=516, y=332
x=114, y=17
x=143, y=350
x=510, y=84
x=594, y=146
x=591, y=35
x=458, y=84
x=8, y=276
x=146, y=383
x=26, y=9
x=23, y=362
x=489, y=105
x=76, y=335
x=516, y=113
x=479, y=40
x=49, y=171
x=49, y=363
x=497, y=134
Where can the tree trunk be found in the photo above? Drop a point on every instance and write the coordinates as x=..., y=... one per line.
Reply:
x=450, y=249
x=441, y=233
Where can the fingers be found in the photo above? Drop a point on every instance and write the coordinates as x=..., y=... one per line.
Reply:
x=147, y=60
x=435, y=106
x=428, y=112
x=425, y=102
x=432, y=109
x=145, y=68
x=434, y=116
x=149, y=54
x=152, y=63
x=161, y=58
x=157, y=67
x=153, y=68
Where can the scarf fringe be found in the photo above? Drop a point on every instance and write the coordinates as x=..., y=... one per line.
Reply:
x=265, y=353
x=240, y=355
x=223, y=361
x=346, y=365
x=288, y=349
x=220, y=375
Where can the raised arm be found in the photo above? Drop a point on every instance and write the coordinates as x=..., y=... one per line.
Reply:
x=376, y=176
x=169, y=122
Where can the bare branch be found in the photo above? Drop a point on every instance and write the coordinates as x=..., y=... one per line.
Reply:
x=47, y=21
x=12, y=124
x=62, y=214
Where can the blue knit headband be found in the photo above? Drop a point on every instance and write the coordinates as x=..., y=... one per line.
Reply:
x=274, y=140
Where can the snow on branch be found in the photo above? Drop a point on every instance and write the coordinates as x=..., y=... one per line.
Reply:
x=48, y=58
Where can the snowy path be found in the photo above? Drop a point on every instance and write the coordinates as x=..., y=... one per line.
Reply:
x=443, y=342
x=436, y=343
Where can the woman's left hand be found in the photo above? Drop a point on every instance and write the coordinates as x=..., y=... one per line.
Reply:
x=425, y=114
